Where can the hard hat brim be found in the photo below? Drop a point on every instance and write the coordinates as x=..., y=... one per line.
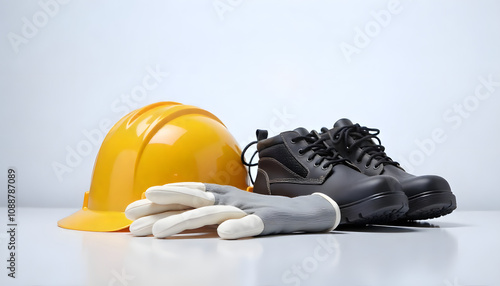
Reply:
x=91, y=220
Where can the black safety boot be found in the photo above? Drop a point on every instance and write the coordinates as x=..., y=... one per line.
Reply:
x=299, y=162
x=428, y=196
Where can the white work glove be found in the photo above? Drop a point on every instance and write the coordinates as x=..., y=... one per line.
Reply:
x=173, y=208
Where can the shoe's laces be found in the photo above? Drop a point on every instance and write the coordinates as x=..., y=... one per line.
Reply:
x=327, y=154
x=362, y=134
x=249, y=164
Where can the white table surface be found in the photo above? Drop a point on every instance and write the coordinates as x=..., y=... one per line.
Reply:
x=462, y=248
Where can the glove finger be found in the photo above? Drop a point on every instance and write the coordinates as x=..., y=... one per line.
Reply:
x=194, y=219
x=146, y=207
x=144, y=225
x=189, y=194
x=250, y=225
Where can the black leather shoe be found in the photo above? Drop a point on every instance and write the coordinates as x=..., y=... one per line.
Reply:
x=428, y=196
x=299, y=162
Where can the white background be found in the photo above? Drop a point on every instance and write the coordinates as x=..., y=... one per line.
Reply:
x=66, y=67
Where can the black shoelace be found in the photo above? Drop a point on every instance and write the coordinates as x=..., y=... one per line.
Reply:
x=249, y=164
x=327, y=154
x=361, y=134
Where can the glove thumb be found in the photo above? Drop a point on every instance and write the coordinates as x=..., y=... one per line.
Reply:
x=250, y=225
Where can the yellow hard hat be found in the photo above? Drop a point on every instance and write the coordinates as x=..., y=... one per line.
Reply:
x=165, y=142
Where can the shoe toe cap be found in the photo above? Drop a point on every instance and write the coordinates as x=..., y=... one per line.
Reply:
x=420, y=184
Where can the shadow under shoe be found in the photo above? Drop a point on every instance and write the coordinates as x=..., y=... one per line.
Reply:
x=428, y=196
x=299, y=162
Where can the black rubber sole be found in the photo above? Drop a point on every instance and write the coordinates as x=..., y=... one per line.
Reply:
x=376, y=209
x=430, y=204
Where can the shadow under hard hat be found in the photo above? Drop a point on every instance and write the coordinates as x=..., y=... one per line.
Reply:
x=165, y=142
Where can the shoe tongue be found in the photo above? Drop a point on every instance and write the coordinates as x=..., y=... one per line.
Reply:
x=342, y=122
x=302, y=131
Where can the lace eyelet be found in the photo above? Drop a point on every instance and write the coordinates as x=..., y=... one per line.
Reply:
x=316, y=165
x=323, y=168
x=293, y=141
x=301, y=152
x=309, y=160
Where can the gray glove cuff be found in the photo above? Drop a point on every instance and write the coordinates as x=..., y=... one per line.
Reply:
x=311, y=213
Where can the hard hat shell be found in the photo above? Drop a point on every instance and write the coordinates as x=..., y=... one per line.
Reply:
x=161, y=143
